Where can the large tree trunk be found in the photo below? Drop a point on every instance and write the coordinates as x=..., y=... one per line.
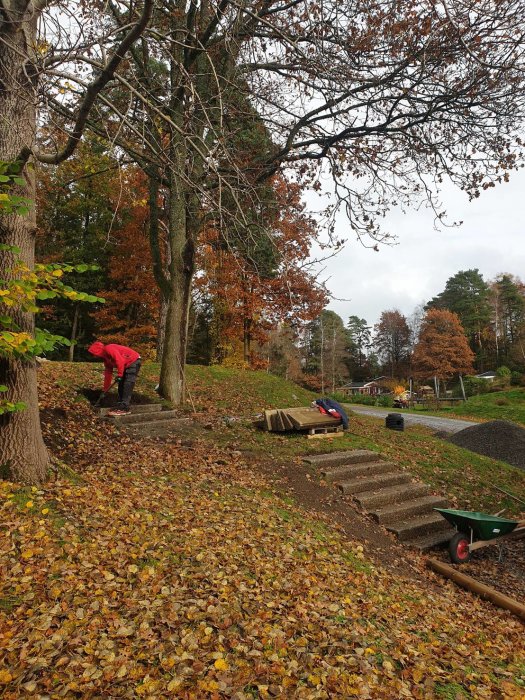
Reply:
x=172, y=375
x=161, y=327
x=22, y=451
x=181, y=268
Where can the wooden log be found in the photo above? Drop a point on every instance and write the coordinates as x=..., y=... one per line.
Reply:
x=499, y=599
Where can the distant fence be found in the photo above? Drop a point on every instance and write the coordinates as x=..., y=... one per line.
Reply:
x=434, y=402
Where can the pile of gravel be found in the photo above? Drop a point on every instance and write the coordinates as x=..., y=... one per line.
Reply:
x=499, y=439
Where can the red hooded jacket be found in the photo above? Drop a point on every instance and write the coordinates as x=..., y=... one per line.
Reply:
x=113, y=356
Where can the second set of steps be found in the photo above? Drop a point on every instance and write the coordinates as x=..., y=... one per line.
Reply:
x=388, y=494
x=148, y=420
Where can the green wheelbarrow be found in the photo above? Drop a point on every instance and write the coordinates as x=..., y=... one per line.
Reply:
x=477, y=530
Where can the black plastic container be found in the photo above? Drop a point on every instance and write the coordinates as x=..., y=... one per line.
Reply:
x=395, y=421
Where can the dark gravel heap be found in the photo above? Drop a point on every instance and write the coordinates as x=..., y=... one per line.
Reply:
x=499, y=439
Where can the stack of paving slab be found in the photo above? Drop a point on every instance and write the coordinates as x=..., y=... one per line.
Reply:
x=302, y=418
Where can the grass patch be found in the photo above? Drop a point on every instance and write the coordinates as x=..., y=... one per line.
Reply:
x=9, y=602
x=66, y=472
x=500, y=405
x=451, y=691
x=357, y=564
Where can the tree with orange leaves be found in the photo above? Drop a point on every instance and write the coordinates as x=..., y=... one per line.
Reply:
x=131, y=312
x=442, y=350
x=261, y=281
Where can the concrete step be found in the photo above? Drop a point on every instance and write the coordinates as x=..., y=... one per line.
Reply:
x=436, y=539
x=335, y=459
x=144, y=417
x=371, y=500
x=400, y=511
x=352, y=471
x=164, y=428
x=137, y=408
x=373, y=482
x=418, y=527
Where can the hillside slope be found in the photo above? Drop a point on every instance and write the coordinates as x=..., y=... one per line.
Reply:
x=163, y=570
x=500, y=405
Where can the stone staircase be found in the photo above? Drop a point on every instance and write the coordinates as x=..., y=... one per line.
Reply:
x=149, y=420
x=388, y=494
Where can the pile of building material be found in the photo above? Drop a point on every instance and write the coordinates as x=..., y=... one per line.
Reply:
x=306, y=419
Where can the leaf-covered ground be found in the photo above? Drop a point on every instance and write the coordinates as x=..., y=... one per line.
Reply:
x=157, y=570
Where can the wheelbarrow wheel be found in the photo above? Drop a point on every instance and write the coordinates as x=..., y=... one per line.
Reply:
x=458, y=548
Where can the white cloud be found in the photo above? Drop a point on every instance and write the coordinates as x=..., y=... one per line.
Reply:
x=417, y=268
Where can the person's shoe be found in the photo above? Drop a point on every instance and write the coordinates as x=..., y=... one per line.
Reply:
x=118, y=412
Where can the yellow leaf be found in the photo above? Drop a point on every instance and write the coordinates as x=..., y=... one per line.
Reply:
x=221, y=665
x=417, y=675
x=5, y=677
x=45, y=511
x=29, y=504
x=57, y=273
x=27, y=554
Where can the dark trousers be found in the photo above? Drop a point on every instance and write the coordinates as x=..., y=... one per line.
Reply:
x=126, y=384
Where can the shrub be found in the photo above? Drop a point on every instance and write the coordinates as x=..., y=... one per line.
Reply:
x=503, y=372
x=341, y=398
x=385, y=400
x=475, y=386
x=363, y=399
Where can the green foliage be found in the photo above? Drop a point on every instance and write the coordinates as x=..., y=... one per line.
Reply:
x=78, y=205
x=326, y=345
x=362, y=399
x=385, y=400
x=22, y=292
x=475, y=386
x=468, y=295
x=24, y=287
x=10, y=176
x=510, y=303
x=9, y=406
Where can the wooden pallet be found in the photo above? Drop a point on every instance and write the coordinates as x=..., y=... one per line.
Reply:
x=326, y=432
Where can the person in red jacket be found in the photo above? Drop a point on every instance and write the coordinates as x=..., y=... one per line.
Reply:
x=127, y=363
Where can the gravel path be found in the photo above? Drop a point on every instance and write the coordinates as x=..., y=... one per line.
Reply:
x=448, y=425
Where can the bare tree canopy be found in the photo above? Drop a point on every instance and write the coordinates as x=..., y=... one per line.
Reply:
x=389, y=97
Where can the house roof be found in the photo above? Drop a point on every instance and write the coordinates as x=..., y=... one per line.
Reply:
x=486, y=375
x=361, y=385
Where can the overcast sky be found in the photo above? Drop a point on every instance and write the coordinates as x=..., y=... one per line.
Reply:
x=417, y=268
